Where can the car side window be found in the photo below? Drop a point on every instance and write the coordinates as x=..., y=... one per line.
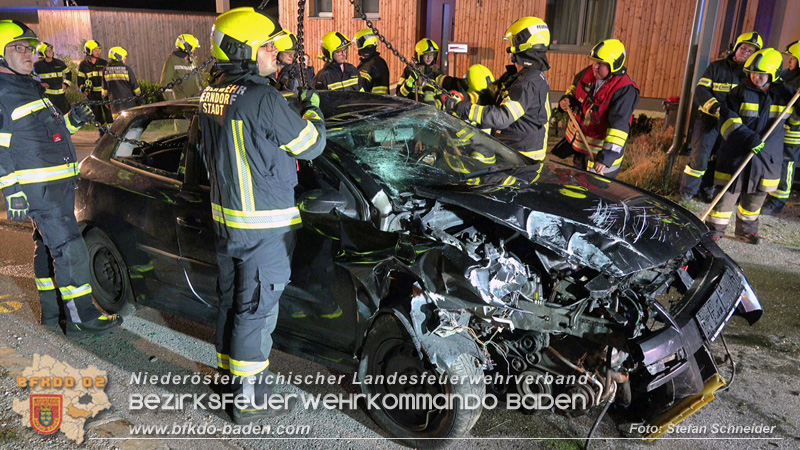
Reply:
x=316, y=174
x=165, y=138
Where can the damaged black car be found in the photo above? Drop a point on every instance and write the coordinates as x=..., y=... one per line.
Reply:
x=430, y=250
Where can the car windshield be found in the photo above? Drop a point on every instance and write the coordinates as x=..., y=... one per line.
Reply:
x=421, y=147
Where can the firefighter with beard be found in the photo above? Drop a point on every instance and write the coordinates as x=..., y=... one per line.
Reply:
x=288, y=76
x=178, y=65
x=520, y=116
x=426, y=57
x=252, y=138
x=791, y=148
x=54, y=75
x=717, y=81
x=750, y=109
x=38, y=168
x=90, y=80
x=338, y=74
x=373, y=68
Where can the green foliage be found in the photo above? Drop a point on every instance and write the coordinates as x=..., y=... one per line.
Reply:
x=148, y=87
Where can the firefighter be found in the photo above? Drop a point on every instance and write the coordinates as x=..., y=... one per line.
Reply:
x=288, y=76
x=604, y=98
x=719, y=78
x=119, y=82
x=337, y=74
x=750, y=109
x=791, y=150
x=520, y=116
x=90, y=80
x=54, y=75
x=38, y=168
x=426, y=57
x=251, y=140
x=178, y=65
x=373, y=68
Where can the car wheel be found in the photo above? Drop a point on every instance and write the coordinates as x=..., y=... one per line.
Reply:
x=389, y=350
x=111, y=285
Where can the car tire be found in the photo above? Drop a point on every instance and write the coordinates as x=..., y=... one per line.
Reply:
x=111, y=284
x=389, y=349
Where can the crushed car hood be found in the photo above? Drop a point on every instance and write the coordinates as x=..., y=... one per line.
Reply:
x=606, y=225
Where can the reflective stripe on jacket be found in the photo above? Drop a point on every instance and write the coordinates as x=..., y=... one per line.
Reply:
x=374, y=74
x=90, y=77
x=119, y=82
x=717, y=81
x=338, y=79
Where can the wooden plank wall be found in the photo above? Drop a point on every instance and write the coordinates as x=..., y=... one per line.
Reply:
x=66, y=29
x=399, y=22
x=149, y=36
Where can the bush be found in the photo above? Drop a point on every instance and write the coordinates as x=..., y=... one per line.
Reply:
x=147, y=88
x=646, y=159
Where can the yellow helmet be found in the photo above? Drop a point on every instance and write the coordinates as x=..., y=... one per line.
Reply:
x=365, y=38
x=793, y=49
x=333, y=42
x=186, y=43
x=425, y=47
x=528, y=33
x=89, y=47
x=479, y=77
x=117, y=54
x=611, y=52
x=14, y=30
x=287, y=42
x=751, y=38
x=238, y=33
x=767, y=60
x=42, y=47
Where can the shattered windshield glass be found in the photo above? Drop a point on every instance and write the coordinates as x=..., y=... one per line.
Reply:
x=421, y=147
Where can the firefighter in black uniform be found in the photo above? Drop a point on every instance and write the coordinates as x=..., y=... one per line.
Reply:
x=373, y=68
x=288, y=76
x=520, y=116
x=791, y=149
x=426, y=56
x=54, y=75
x=90, y=80
x=38, y=167
x=251, y=139
x=719, y=78
x=750, y=109
x=603, y=97
x=119, y=82
x=337, y=74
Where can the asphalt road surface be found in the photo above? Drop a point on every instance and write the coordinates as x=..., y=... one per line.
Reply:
x=765, y=391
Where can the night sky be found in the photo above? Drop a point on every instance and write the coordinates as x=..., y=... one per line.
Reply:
x=181, y=5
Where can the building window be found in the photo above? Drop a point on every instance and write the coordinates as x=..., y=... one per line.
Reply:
x=322, y=8
x=370, y=8
x=579, y=32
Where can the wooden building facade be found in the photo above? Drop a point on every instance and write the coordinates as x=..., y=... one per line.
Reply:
x=148, y=35
x=655, y=33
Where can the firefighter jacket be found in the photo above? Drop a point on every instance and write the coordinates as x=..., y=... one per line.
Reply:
x=288, y=78
x=792, y=141
x=251, y=139
x=374, y=74
x=748, y=114
x=56, y=74
x=343, y=78
x=90, y=78
x=175, y=68
x=605, y=116
x=119, y=82
x=35, y=144
x=717, y=81
x=421, y=90
x=520, y=115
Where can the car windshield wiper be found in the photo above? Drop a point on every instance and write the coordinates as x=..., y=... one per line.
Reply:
x=490, y=170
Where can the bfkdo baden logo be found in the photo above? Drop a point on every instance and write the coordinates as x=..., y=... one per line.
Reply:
x=60, y=397
x=46, y=413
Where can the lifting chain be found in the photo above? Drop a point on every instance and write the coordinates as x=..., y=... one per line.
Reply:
x=393, y=50
x=105, y=129
x=299, y=54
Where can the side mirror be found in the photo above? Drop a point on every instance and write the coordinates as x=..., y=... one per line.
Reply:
x=322, y=201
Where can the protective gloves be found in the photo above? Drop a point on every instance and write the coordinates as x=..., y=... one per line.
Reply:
x=412, y=78
x=757, y=148
x=308, y=98
x=81, y=113
x=17, y=205
x=449, y=102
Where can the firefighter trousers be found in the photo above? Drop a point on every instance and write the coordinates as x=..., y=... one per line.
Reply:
x=698, y=175
x=252, y=276
x=778, y=198
x=44, y=275
x=747, y=214
x=55, y=225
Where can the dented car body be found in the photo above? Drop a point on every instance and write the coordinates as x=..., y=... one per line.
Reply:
x=428, y=247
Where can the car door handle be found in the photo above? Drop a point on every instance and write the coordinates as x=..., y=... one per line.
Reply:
x=194, y=224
